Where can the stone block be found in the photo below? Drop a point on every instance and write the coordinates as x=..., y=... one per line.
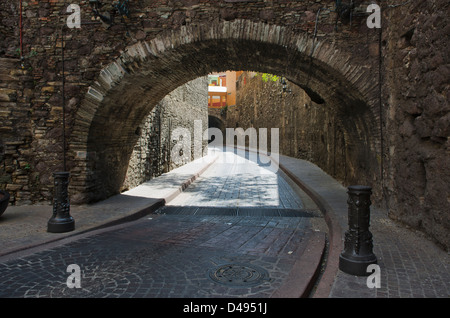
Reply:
x=8, y=95
x=13, y=187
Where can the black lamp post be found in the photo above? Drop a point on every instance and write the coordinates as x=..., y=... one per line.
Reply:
x=61, y=221
x=357, y=254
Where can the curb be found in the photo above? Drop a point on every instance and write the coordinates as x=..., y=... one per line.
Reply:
x=188, y=182
x=305, y=271
x=325, y=283
x=141, y=212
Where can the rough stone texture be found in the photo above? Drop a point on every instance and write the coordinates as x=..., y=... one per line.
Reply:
x=307, y=130
x=151, y=155
x=16, y=152
x=416, y=95
x=114, y=77
x=160, y=47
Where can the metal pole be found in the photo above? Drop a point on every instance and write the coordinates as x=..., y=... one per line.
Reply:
x=21, y=33
x=63, y=99
x=357, y=254
x=61, y=221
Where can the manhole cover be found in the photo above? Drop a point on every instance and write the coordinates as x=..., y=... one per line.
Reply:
x=239, y=275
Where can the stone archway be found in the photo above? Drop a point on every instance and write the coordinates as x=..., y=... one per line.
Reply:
x=128, y=88
x=215, y=122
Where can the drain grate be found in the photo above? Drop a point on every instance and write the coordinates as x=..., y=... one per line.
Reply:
x=239, y=275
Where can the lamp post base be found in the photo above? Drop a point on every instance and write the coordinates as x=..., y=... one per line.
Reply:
x=61, y=221
x=356, y=266
x=358, y=254
x=55, y=225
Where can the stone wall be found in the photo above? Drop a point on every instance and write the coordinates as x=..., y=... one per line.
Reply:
x=415, y=96
x=151, y=155
x=307, y=130
x=183, y=35
x=17, y=155
x=115, y=75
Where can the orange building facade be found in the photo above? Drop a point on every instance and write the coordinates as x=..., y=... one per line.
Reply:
x=222, y=89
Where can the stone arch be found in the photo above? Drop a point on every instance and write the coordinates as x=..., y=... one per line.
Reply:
x=128, y=88
x=216, y=122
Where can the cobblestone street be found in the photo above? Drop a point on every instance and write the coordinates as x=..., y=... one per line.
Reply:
x=168, y=256
x=230, y=234
x=194, y=250
x=238, y=182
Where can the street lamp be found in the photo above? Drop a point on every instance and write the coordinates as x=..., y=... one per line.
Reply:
x=108, y=18
x=61, y=221
x=284, y=85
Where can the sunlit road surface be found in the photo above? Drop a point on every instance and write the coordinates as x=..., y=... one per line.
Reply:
x=238, y=181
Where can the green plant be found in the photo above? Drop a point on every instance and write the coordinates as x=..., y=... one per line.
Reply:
x=223, y=111
x=268, y=77
x=31, y=54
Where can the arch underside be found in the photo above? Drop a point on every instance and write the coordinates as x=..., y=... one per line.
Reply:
x=215, y=122
x=124, y=102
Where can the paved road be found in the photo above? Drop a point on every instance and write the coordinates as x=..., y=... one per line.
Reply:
x=237, y=182
x=236, y=231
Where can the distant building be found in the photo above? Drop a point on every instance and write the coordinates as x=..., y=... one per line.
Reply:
x=222, y=89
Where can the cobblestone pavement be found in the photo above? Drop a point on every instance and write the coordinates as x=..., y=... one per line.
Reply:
x=167, y=256
x=196, y=243
x=230, y=234
x=410, y=265
x=23, y=227
x=243, y=183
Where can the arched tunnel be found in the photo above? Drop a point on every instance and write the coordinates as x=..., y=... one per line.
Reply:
x=129, y=88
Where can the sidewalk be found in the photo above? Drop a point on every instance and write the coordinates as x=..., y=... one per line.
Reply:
x=411, y=266
x=23, y=227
